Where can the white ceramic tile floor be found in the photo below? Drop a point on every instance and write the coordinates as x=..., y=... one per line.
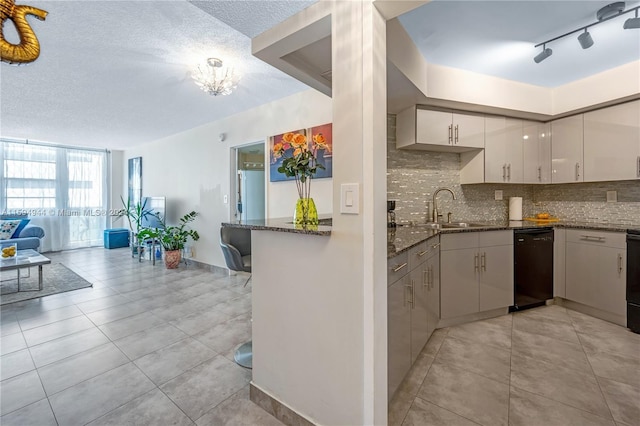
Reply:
x=545, y=366
x=144, y=346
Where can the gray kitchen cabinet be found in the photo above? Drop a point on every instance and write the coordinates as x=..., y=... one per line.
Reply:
x=433, y=130
x=559, y=262
x=476, y=272
x=612, y=143
x=536, y=139
x=567, y=150
x=412, y=307
x=596, y=269
x=398, y=332
x=503, y=153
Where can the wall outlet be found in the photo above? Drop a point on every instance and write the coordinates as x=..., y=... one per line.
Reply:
x=225, y=198
x=612, y=196
x=498, y=195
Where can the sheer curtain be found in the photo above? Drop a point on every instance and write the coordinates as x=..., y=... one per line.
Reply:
x=64, y=190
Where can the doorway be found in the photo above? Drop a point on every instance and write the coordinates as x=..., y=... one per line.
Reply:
x=248, y=184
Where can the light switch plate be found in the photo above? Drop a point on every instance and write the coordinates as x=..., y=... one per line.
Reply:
x=350, y=198
x=612, y=196
x=498, y=195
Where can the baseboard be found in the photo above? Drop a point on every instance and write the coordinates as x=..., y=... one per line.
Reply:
x=210, y=268
x=449, y=322
x=594, y=312
x=276, y=408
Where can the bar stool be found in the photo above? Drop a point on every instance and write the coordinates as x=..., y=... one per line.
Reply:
x=236, y=248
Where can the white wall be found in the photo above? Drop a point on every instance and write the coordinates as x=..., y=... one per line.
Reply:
x=319, y=319
x=117, y=185
x=192, y=169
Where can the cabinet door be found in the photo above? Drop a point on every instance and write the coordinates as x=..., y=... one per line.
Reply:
x=581, y=273
x=514, y=147
x=536, y=152
x=468, y=130
x=434, y=127
x=567, y=150
x=433, y=295
x=459, y=271
x=398, y=332
x=496, y=277
x=612, y=143
x=610, y=290
x=419, y=319
x=495, y=152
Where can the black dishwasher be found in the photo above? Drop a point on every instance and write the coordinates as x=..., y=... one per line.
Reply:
x=633, y=280
x=533, y=269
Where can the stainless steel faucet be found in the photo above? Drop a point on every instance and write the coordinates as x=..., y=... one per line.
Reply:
x=435, y=214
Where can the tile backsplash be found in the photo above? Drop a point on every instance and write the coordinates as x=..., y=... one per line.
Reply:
x=413, y=176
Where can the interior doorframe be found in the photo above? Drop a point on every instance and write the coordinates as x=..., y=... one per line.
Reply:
x=233, y=178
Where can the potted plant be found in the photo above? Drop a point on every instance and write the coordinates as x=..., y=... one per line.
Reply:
x=173, y=238
x=135, y=213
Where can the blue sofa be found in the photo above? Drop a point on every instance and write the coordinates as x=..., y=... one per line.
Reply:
x=29, y=237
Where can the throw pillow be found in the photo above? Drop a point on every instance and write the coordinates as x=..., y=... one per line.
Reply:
x=7, y=228
x=23, y=223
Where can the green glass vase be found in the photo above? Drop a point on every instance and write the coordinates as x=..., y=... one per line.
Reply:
x=306, y=213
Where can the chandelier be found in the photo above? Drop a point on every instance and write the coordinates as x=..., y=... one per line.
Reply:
x=215, y=79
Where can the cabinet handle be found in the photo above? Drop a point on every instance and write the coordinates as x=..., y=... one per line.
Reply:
x=405, y=301
x=509, y=172
x=619, y=264
x=639, y=166
x=483, y=261
x=475, y=262
x=504, y=172
x=457, y=140
x=425, y=278
x=397, y=268
x=422, y=253
x=539, y=173
x=431, y=280
x=434, y=246
x=593, y=238
x=577, y=171
x=450, y=134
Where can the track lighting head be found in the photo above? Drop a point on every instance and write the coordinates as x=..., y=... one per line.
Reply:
x=543, y=55
x=585, y=39
x=632, y=23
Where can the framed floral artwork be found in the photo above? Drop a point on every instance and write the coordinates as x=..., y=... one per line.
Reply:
x=283, y=145
x=317, y=139
x=322, y=145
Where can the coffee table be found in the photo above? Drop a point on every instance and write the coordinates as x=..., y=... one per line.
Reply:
x=25, y=259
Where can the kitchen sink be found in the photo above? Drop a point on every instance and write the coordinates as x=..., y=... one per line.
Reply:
x=462, y=225
x=428, y=225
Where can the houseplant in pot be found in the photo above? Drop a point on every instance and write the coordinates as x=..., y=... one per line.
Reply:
x=135, y=214
x=173, y=238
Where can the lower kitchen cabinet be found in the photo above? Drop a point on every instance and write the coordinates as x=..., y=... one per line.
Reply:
x=398, y=333
x=596, y=270
x=413, y=305
x=476, y=272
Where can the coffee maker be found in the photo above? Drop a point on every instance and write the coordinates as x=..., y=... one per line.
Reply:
x=391, y=214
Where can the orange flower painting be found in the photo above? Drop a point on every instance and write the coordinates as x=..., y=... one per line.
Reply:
x=322, y=146
x=289, y=143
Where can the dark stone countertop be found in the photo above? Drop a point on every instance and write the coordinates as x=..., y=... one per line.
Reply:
x=284, y=225
x=403, y=238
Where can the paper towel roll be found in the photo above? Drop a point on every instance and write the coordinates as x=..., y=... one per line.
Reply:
x=515, y=208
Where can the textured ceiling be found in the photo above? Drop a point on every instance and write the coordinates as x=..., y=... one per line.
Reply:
x=497, y=38
x=116, y=73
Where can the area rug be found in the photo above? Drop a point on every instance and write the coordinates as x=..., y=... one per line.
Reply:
x=56, y=278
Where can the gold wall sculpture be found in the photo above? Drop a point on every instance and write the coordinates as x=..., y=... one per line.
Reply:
x=28, y=49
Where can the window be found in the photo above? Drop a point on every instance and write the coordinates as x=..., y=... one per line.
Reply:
x=62, y=189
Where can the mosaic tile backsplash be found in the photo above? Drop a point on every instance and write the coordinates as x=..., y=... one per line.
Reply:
x=413, y=176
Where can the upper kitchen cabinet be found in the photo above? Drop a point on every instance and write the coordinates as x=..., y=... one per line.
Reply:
x=503, y=152
x=439, y=130
x=612, y=143
x=566, y=150
x=536, y=139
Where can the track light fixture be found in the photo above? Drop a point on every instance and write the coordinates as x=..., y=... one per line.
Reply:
x=632, y=23
x=606, y=13
x=585, y=40
x=543, y=55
